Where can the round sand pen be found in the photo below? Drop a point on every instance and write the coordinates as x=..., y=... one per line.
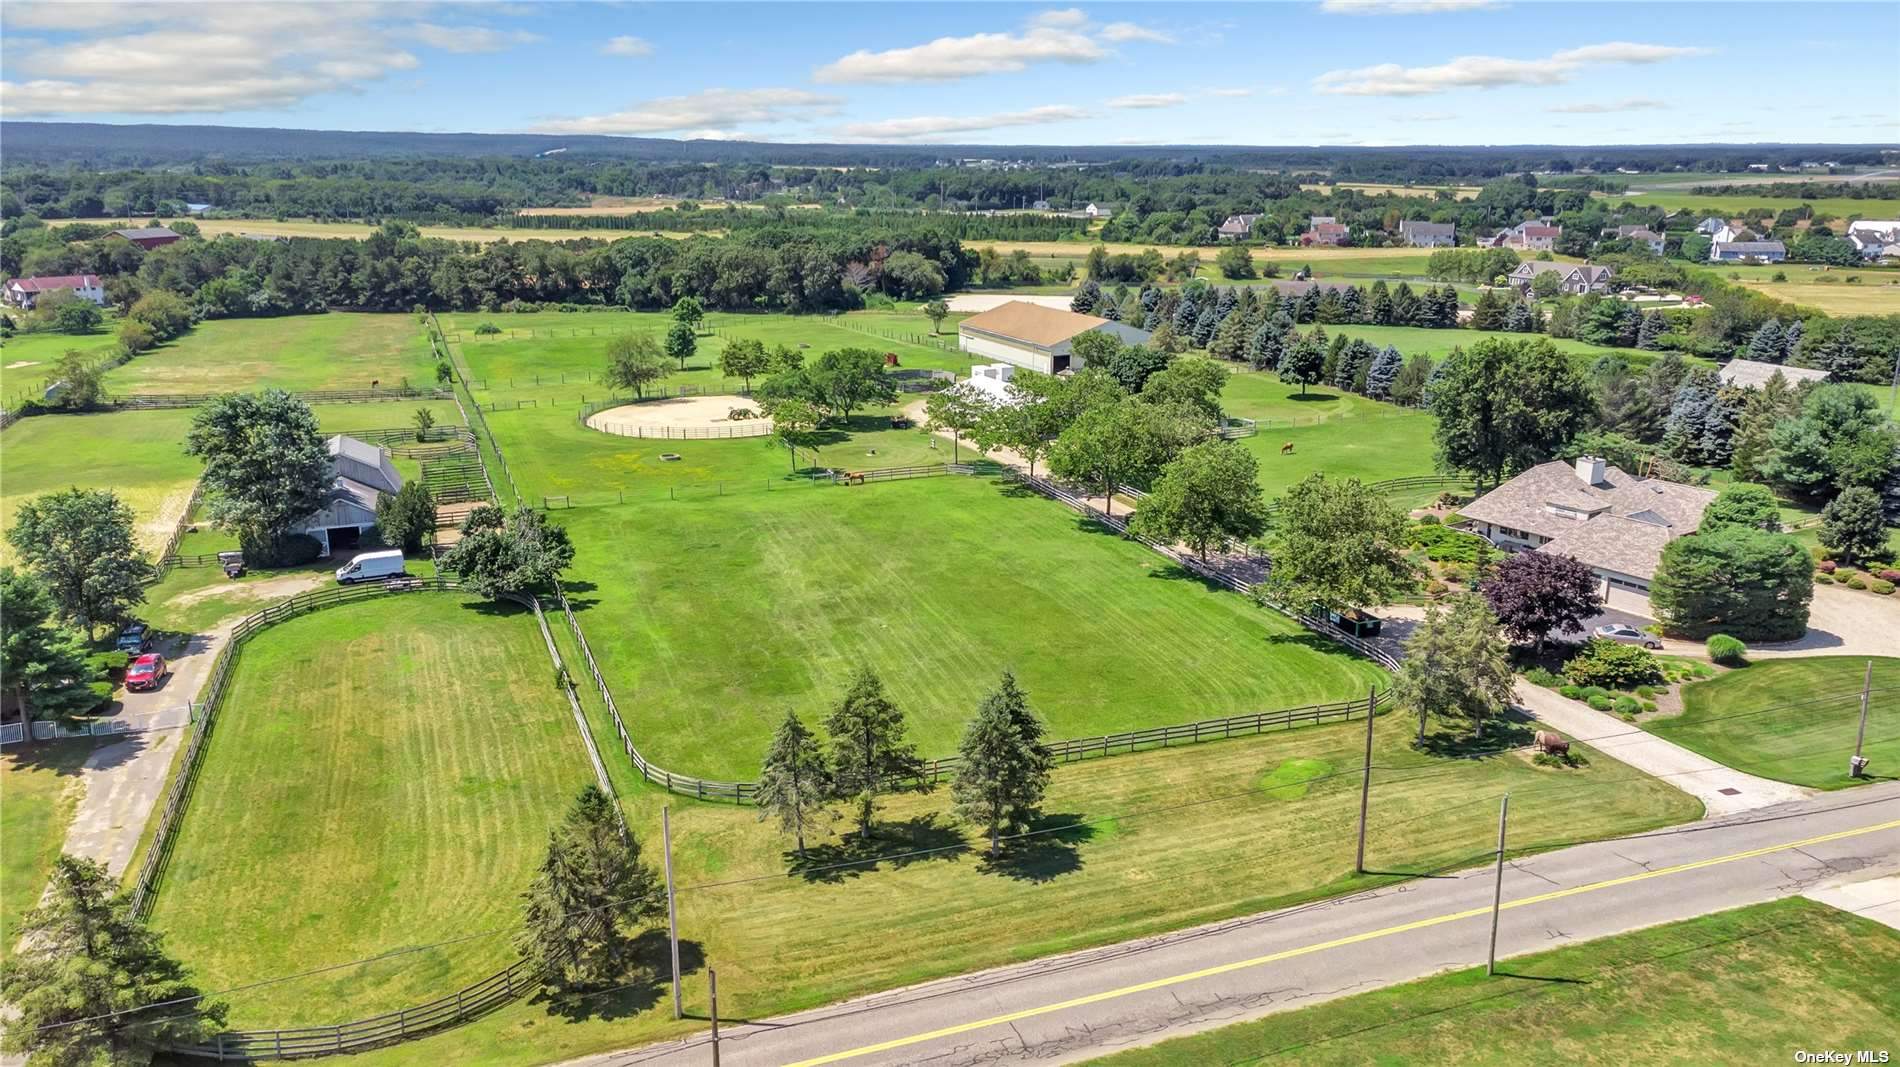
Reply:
x=684, y=418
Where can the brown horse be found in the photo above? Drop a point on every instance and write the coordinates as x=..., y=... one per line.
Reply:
x=1286, y=449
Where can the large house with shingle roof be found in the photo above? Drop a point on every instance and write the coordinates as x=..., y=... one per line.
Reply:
x=1238, y=227
x=25, y=292
x=1611, y=521
x=1572, y=278
x=1428, y=234
x=1035, y=337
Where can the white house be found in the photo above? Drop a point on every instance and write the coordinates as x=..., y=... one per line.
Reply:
x=1611, y=521
x=1747, y=252
x=25, y=292
x=362, y=475
x=1420, y=234
x=991, y=381
x=1726, y=234
x=1875, y=238
x=1097, y=211
x=1710, y=226
x=1035, y=337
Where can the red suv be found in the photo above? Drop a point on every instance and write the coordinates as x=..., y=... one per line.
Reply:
x=146, y=672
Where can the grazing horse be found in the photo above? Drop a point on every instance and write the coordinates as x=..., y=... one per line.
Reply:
x=1552, y=743
x=1286, y=449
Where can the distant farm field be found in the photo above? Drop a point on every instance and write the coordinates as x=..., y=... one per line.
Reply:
x=1461, y=192
x=383, y=773
x=337, y=350
x=359, y=230
x=712, y=618
x=1727, y=205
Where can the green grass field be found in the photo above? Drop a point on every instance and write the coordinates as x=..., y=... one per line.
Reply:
x=1743, y=986
x=338, y=350
x=1791, y=719
x=39, y=790
x=1138, y=845
x=1340, y=434
x=1728, y=205
x=382, y=774
x=711, y=618
x=26, y=360
x=140, y=455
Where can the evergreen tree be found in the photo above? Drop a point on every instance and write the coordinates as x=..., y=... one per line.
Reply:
x=1003, y=766
x=1762, y=410
x=44, y=665
x=1187, y=311
x=1791, y=340
x=869, y=752
x=1086, y=297
x=1649, y=334
x=1230, y=339
x=1409, y=387
x=91, y=984
x=1379, y=312
x=1853, y=526
x=1701, y=422
x=1306, y=309
x=1204, y=326
x=1225, y=302
x=1263, y=347
x=1108, y=309
x=589, y=894
x=795, y=782
x=1659, y=386
x=1352, y=305
x=1383, y=372
x=1488, y=313
x=1767, y=345
x=1518, y=319
x=1840, y=356
x=1456, y=664
x=1405, y=306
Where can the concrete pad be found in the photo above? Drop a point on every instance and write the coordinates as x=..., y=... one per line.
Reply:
x=1876, y=898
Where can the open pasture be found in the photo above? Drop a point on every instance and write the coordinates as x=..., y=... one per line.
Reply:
x=713, y=617
x=1131, y=846
x=40, y=788
x=27, y=360
x=1727, y=205
x=1874, y=290
x=360, y=230
x=1342, y=435
x=1460, y=192
x=337, y=350
x=383, y=773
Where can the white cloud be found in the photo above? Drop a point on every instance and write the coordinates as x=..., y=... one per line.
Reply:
x=182, y=58
x=1149, y=100
x=470, y=39
x=1404, y=7
x=1427, y=116
x=1231, y=91
x=951, y=58
x=935, y=126
x=1123, y=32
x=627, y=46
x=704, y=112
x=1605, y=107
x=1068, y=18
x=1490, y=72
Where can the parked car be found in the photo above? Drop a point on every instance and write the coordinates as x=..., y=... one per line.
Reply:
x=370, y=566
x=135, y=638
x=146, y=672
x=1627, y=635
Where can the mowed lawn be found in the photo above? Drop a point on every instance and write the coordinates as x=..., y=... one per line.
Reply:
x=337, y=350
x=1740, y=986
x=39, y=791
x=1340, y=434
x=1133, y=846
x=713, y=618
x=1793, y=720
x=27, y=360
x=382, y=774
x=140, y=455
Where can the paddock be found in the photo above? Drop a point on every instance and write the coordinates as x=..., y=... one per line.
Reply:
x=683, y=417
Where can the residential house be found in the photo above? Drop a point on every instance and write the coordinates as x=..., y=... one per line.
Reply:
x=1572, y=278
x=1537, y=236
x=1747, y=252
x=1035, y=337
x=1326, y=234
x=1040, y=205
x=1611, y=521
x=25, y=292
x=1237, y=227
x=1875, y=238
x=1728, y=233
x=361, y=475
x=1428, y=234
x=1642, y=235
x=1710, y=225
x=1097, y=211
x=1753, y=374
x=148, y=237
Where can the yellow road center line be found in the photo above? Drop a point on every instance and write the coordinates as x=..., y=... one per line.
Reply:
x=1351, y=939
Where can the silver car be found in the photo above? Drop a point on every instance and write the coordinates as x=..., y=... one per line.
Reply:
x=1627, y=635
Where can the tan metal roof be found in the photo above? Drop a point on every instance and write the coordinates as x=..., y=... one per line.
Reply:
x=1033, y=323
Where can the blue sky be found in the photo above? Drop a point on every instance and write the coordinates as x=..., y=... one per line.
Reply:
x=1325, y=72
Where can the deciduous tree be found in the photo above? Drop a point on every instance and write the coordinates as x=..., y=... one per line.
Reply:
x=1536, y=594
x=1339, y=545
x=960, y=409
x=524, y=552
x=745, y=358
x=266, y=467
x=634, y=361
x=79, y=543
x=1504, y=405
x=407, y=517
x=681, y=343
x=936, y=311
x=1208, y=497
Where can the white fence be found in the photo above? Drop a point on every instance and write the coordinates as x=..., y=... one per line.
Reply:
x=14, y=733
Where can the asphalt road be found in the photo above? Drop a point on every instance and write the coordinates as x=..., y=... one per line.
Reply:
x=1070, y=1008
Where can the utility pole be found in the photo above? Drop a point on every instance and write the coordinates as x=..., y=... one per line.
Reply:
x=1857, y=767
x=672, y=913
x=1365, y=783
x=1497, y=892
x=712, y=984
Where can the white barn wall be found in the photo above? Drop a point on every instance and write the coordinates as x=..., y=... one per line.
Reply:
x=989, y=348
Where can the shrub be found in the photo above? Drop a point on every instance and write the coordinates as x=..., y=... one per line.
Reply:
x=1591, y=692
x=1428, y=519
x=1540, y=676
x=104, y=663
x=1881, y=586
x=1649, y=705
x=1625, y=705
x=1727, y=650
x=486, y=329
x=1888, y=574
x=1823, y=578
x=1436, y=588
x=1599, y=702
x=101, y=695
x=1614, y=666
x=1856, y=583
x=1554, y=759
x=1645, y=690
x=1572, y=691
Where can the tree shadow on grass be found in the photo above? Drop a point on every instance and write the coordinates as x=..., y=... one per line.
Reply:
x=647, y=981
x=577, y=590
x=496, y=608
x=1174, y=572
x=1312, y=398
x=1053, y=851
x=1513, y=729
x=898, y=844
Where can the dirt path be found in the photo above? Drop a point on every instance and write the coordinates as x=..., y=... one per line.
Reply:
x=965, y=452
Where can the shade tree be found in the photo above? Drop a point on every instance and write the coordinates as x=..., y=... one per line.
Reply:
x=79, y=544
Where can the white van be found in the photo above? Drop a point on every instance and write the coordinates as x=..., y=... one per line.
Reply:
x=370, y=566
